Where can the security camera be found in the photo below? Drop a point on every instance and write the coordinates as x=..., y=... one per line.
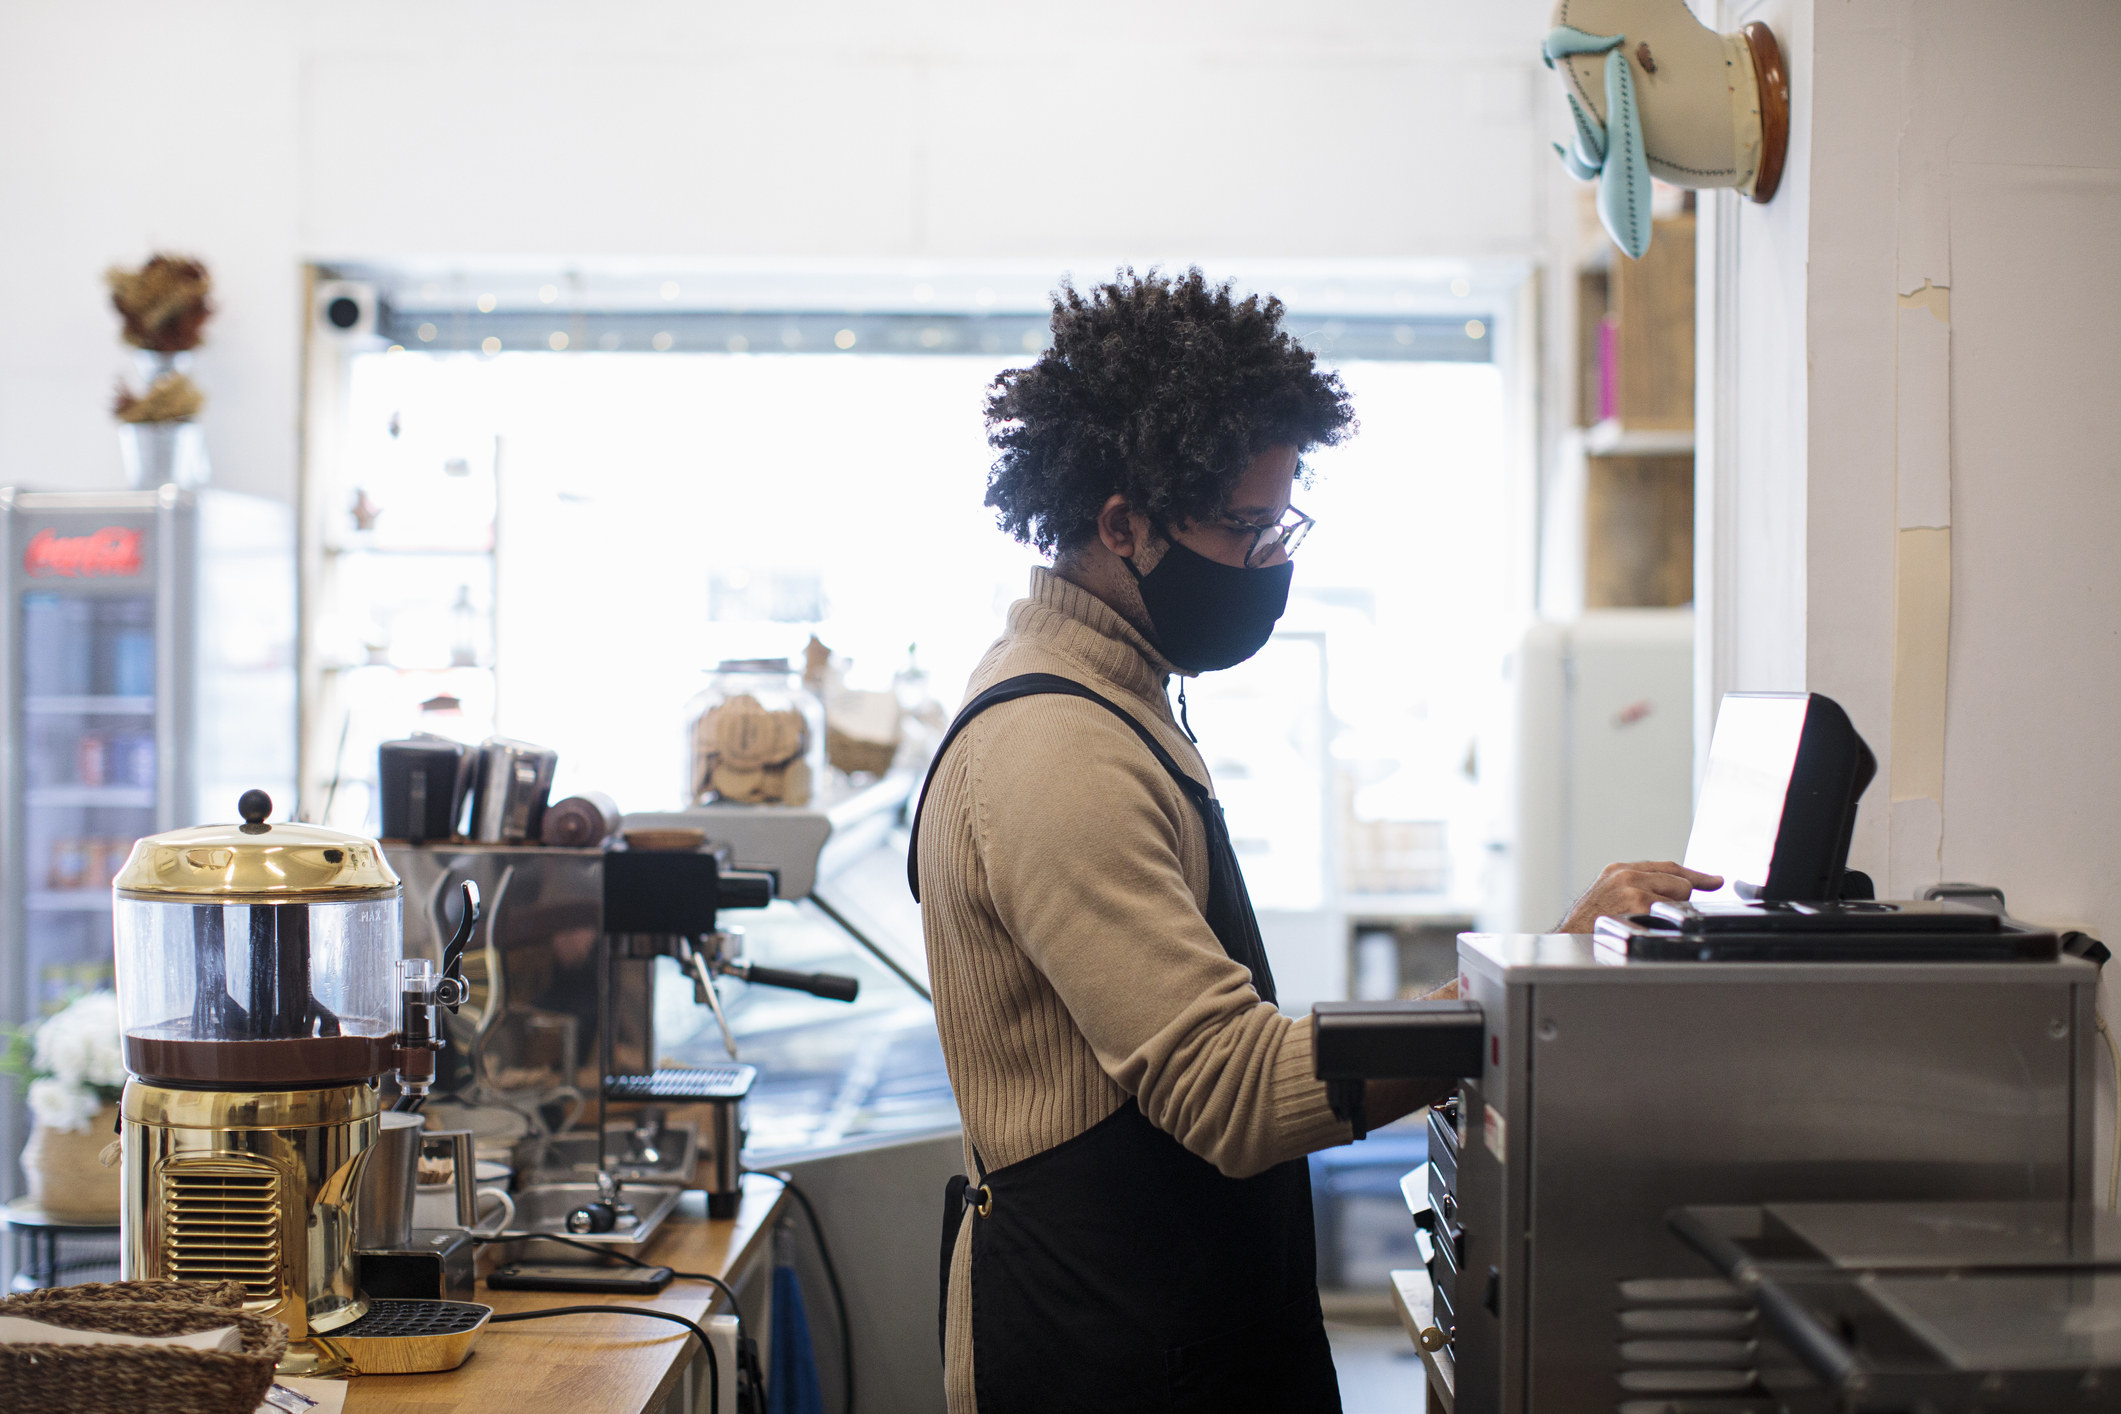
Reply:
x=346, y=309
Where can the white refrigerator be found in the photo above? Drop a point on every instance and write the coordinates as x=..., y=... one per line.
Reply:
x=1601, y=757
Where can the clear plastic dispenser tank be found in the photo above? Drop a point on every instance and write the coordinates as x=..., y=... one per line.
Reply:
x=257, y=956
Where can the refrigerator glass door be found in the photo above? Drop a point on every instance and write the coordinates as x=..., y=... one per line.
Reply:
x=86, y=725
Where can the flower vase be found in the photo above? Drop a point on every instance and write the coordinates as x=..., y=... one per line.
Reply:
x=163, y=453
x=65, y=1170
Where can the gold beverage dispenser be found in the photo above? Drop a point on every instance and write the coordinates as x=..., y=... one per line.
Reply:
x=258, y=992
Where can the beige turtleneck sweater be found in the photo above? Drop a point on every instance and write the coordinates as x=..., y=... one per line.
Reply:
x=1064, y=879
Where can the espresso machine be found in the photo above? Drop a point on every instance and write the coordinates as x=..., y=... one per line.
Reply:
x=559, y=1018
x=263, y=996
x=1788, y=1040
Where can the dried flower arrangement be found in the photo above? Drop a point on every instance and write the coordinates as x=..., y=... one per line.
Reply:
x=173, y=398
x=165, y=303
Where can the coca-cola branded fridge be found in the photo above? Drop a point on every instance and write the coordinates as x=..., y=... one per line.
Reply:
x=148, y=647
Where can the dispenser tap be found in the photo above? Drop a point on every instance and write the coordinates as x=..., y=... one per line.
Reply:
x=452, y=990
x=422, y=996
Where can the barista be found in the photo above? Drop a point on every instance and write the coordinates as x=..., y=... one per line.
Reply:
x=1135, y=1228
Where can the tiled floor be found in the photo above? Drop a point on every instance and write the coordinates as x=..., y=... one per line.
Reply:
x=1380, y=1371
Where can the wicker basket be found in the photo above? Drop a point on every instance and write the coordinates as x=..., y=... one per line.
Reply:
x=133, y=1379
x=854, y=754
x=226, y=1294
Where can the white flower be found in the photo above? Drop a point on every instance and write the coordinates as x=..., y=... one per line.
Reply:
x=79, y=1045
x=58, y=1105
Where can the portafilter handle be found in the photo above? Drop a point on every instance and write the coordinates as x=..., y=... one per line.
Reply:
x=724, y=952
x=829, y=985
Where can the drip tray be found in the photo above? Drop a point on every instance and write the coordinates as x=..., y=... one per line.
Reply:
x=542, y=1209
x=408, y=1337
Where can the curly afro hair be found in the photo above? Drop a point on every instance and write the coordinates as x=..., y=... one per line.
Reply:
x=1160, y=389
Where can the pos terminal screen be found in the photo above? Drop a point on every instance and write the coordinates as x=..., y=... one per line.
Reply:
x=1739, y=815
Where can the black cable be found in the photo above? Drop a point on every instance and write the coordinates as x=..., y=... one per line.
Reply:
x=832, y=1279
x=722, y=1286
x=714, y=1366
x=824, y=1251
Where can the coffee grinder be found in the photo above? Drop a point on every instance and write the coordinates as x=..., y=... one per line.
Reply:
x=263, y=996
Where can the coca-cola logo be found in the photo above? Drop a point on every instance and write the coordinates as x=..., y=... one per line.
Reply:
x=110, y=553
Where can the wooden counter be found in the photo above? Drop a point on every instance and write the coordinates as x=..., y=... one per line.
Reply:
x=606, y=1364
x=1415, y=1301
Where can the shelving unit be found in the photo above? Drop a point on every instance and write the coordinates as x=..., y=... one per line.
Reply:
x=1630, y=464
x=1639, y=532
x=407, y=602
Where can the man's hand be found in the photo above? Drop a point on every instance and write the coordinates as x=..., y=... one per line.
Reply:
x=1631, y=888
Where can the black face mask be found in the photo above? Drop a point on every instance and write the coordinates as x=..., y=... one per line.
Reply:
x=1209, y=615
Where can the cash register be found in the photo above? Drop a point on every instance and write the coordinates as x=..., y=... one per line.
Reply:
x=1788, y=1039
x=1777, y=812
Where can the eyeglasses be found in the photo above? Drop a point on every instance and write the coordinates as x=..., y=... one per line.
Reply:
x=1285, y=534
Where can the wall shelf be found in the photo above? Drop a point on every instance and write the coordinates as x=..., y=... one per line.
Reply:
x=430, y=551
x=88, y=706
x=1611, y=438
x=402, y=670
x=68, y=901
x=111, y=797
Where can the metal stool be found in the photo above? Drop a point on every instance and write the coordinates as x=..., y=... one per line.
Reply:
x=48, y=1250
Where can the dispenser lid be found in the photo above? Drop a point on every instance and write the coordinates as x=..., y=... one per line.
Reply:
x=256, y=862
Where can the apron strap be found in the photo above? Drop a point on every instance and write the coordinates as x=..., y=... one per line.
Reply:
x=1035, y=685
x=1229, y=913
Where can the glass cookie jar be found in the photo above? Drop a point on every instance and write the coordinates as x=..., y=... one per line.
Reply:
x=755, y=736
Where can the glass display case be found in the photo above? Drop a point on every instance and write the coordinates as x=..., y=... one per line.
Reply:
x=147, y=645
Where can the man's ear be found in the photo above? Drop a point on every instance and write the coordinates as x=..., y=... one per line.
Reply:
x=1115, y=526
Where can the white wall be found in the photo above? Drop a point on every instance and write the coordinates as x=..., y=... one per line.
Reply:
x=260, y=135
x=1751, y=456
x=1923, y=349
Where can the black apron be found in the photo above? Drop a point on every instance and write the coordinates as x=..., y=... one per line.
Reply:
x=1119, y=1271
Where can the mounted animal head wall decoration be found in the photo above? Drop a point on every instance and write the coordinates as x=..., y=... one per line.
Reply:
x=1654, y=92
